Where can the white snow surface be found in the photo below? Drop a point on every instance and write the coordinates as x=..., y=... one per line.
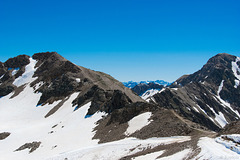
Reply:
x=117, y=149
x=27, y=76
x=78, y=80
x=149, y=93
x=235, y=68
x=221, y=119
x=226, y=104
x=235, y=137
x=177, y=156
x=15, y=71
x=138, y=122
x=26, y=123
x=211, y=150
x=220, y=87
x=150, y=156
x=236, y=83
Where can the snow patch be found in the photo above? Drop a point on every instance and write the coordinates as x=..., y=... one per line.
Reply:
x=220, y=87
x=15, y=71
x=180, y=155
x=138, y=123
x=78, y=80
x=149, y=93
x=202, y=110
x=2, y=76
x=195, y=109
x=226, y=104
x=236, y=83
x=221, y=119
x=235, y=68
x=27, y=75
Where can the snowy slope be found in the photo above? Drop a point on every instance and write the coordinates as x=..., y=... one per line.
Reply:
x=212, y=150
x=117, y=149
x=21, y=117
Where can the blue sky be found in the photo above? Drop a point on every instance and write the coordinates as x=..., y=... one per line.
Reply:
x=128, y=39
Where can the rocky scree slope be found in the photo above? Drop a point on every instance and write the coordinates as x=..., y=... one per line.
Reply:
x=209, y=96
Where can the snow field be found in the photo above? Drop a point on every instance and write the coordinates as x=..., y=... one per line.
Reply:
x=212, y=150
x=117, y=149
x=138, y=122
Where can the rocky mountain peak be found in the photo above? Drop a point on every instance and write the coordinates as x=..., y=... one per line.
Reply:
x=56, y=78
x=17, y=62
x=213, y=72
x=43, y=56
x=221, y=61
x=210, y=94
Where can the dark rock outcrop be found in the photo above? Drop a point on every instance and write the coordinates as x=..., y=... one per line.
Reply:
x=17, y=62
x=232, y=128
x=4, y=135
x=32, y=146
x=142, y=87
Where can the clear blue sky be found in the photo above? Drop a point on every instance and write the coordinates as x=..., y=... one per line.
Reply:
x=128, y=39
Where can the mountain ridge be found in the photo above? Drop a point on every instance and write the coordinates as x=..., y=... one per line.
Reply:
x=208, y=94
x=53, y=109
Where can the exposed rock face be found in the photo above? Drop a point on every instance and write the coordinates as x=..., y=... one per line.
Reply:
x=210, y=96
x=9, y=71
x=17, y=62
x=106, y=101
x=164, y=123
x=4, y=135
x=142, y=87
x=5, y=90
x=32, y=146
x=232, y=128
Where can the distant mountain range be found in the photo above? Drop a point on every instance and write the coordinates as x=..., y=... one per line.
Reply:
x=53, y=109
x=131, y=84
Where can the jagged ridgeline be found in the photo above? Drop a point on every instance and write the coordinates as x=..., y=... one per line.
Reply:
x=57, y=78
x=210, y=96
x=53, y=109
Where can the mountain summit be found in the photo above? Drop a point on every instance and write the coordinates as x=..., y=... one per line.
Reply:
x=209, y=96
x=56, y=78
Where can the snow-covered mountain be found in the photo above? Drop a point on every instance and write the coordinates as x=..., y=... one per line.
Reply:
x=210, y=96
x=53, y=109
x=131, y=84
x=145, y=89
